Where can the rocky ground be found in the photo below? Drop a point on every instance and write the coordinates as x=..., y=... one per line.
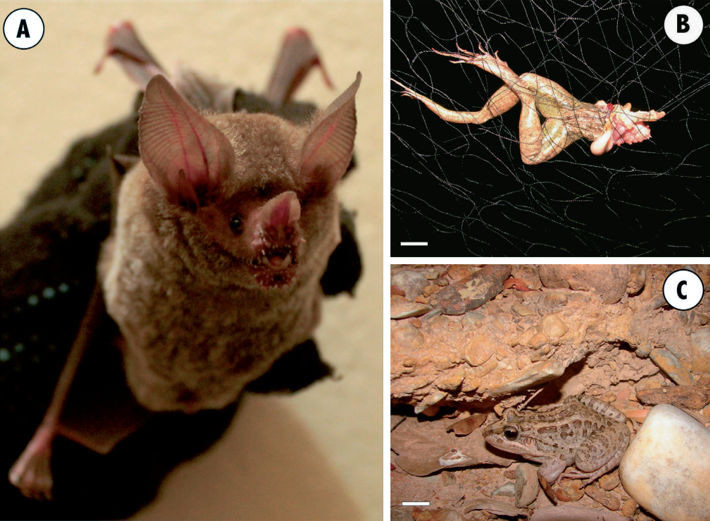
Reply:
x=469, y=341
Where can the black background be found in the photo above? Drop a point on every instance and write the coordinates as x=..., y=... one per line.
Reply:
x=464, y=188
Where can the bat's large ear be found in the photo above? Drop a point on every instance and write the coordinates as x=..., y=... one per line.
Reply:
x=183, y=152
x=329, y=146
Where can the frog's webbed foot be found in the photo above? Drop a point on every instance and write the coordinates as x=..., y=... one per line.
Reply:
x=483, y=60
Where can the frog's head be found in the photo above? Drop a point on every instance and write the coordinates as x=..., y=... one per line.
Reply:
x=622, y=125
x=509, y=434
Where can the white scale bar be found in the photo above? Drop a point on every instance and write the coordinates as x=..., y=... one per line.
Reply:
x=405, y=243
x=415, y=503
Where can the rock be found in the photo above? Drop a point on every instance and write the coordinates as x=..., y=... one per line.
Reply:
x=538, y=340
x=408, y=337
x=628, y=508
x=436, y=515
x=526, y=484
x=607, y=499
x=637, y=280
x=666, y=468
x=412, y=283
x=433, y=272
x=401, y=308
x=574, y=513
x=552, y=301
x=569, y=490
x=609, y=281
x=459, y=271
x=429, y=290
x=467, y=425
x=401, y=514
x=493, y=506
x=451, y=380
x=701, y=340
x=507, y=490
x=431, y=400
x=538, y=373
x=479, y=349
x=472, y=319
x=553, y=327
x=643, y=350
x=669, y=364
x=686, y=396
x=529, y=275
x=522, y=309
x=472, y=292
x=609, y=481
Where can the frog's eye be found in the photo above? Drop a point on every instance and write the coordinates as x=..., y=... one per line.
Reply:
x=510, y=433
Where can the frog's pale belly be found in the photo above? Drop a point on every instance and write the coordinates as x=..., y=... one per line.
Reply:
x=580, y=431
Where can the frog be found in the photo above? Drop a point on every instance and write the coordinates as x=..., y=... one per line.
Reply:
x=581, y=432
x=567, y=118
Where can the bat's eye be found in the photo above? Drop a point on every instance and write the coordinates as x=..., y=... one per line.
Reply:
x=236, y=225
x=510, y=433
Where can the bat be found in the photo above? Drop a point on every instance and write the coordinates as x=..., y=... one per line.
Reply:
x=234, y=215
x=290, y=224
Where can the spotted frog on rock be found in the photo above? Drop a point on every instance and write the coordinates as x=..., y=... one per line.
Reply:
x=581, y=432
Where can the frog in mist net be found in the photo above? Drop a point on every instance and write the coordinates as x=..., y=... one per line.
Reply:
x=567, y=118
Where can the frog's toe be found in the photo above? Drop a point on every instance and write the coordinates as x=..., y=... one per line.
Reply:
x=587, y=477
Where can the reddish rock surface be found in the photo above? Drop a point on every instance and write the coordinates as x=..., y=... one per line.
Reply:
x=605, y=330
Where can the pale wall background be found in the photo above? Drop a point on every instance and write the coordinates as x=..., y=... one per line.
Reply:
x=314, y=455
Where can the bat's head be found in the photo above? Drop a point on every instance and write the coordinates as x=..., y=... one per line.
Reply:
x=248, y=199
x=622, y=126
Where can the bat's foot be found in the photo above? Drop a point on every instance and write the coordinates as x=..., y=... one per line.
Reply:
x=31, y=473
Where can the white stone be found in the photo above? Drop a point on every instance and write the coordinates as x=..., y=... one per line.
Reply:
x=666, y=468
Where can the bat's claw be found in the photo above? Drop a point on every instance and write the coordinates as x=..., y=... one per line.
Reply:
x=32, y=473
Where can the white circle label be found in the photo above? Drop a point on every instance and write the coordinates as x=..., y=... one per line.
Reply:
x=683, y=24
x=23, y=28
x=683, y=290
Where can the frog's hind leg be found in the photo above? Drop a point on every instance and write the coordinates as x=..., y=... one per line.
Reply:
x=599, y=447
x=540, y=142
x=488, y=62
x=502, y=100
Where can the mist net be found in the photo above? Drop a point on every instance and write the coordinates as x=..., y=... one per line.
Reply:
x=463, y=188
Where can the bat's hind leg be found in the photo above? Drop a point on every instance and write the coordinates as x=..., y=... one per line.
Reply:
x=32, y=473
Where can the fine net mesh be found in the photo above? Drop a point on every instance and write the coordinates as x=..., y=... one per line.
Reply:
x=464, y=190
